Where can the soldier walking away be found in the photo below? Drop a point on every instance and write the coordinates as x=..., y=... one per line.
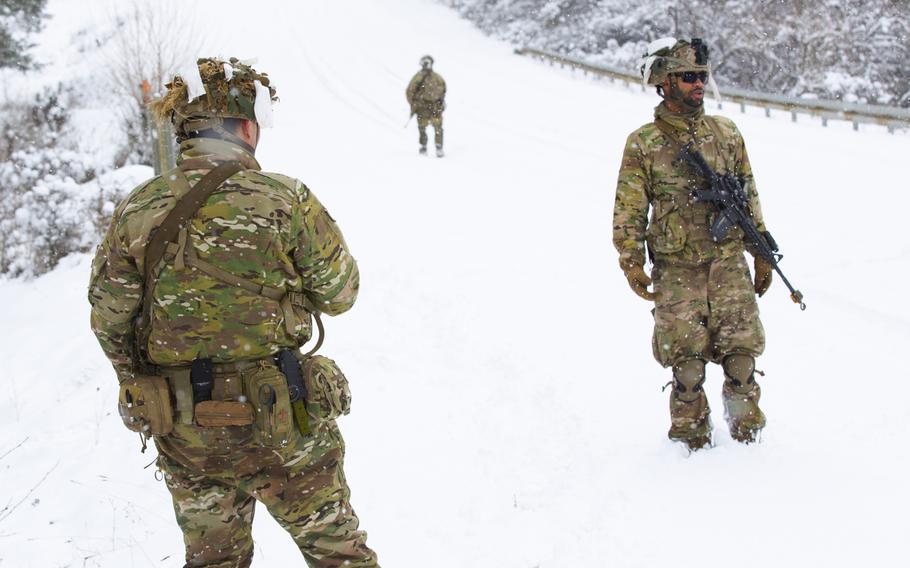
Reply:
x=705, y=307
x=205, y=286
x=426, y=95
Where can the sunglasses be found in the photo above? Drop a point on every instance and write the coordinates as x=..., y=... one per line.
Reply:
x=692, y=76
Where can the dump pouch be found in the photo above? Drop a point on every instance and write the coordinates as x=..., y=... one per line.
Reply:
x=328, y=393
x=145, y=405
x=267, y=390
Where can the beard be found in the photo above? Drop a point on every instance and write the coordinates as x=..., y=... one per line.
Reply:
x=693, y=100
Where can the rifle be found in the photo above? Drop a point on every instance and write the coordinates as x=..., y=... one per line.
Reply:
x=727, y=193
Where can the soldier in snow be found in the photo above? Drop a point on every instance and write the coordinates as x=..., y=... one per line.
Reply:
x=205, y=286
x=705, y=308
x=426, y=96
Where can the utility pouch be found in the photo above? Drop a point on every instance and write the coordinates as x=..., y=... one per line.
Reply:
x=328, y=393
x=218, y=413
x=666, y=232
x=267, y=390
x=145, y=405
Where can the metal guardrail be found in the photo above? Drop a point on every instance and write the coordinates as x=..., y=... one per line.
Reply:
x=889, y=117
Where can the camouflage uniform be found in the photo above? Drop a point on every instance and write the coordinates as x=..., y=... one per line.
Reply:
x=272, y=230
x=705, y=308
x=428, y=103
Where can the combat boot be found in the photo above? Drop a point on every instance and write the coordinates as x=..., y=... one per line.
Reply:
x=423, y=150
x=741, y=395
x=690, y=415
x=439, y=152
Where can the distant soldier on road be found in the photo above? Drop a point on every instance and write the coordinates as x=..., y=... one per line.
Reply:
x=705, y=308
x=426, y=95
x=205, y=286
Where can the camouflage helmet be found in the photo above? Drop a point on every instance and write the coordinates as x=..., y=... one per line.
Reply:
x=228, y=89
x=669, y=55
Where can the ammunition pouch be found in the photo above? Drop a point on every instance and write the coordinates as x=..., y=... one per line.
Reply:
x=272, y=417
x=328, y=393
x=145, y=405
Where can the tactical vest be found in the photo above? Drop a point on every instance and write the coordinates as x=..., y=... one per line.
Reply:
x=678, y=231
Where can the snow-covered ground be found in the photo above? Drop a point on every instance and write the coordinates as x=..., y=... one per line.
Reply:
x=507, y=410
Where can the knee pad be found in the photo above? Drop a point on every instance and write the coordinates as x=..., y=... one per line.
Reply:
x=739, y=369
x=688, y=378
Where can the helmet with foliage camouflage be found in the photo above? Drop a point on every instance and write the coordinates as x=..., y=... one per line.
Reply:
x=222, y=89
x=670, y=55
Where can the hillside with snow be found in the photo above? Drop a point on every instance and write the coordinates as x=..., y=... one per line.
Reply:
x=507, y=411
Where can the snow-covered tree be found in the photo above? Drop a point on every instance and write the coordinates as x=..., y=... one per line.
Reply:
x=854, y=50
x=18, y=18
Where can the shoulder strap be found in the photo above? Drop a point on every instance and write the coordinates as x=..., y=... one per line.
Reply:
x=185, y=209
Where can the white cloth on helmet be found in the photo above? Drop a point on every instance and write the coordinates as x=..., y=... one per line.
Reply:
x=650, y=56
x=262, y=107
x=189, y=72
x=658, y=44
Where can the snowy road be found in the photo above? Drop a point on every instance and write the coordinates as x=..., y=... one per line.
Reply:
x=507, y=410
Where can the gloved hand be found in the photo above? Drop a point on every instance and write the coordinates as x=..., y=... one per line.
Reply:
x=638, y=280
x=763, y=274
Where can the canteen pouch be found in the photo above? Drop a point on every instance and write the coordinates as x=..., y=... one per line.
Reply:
x=328, y=393
x=273, y=421
x=219, y=413
x=145, y=405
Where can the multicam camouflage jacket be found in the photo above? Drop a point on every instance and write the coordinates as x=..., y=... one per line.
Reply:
x=426, y=93
x=652, y=178
x=263, y=227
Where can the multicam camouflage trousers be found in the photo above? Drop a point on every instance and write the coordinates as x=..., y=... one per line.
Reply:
x=216, y=475
x=435, y=119
x=705, y=311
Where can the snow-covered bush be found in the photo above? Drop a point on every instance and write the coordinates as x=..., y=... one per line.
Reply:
x=51, y=200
